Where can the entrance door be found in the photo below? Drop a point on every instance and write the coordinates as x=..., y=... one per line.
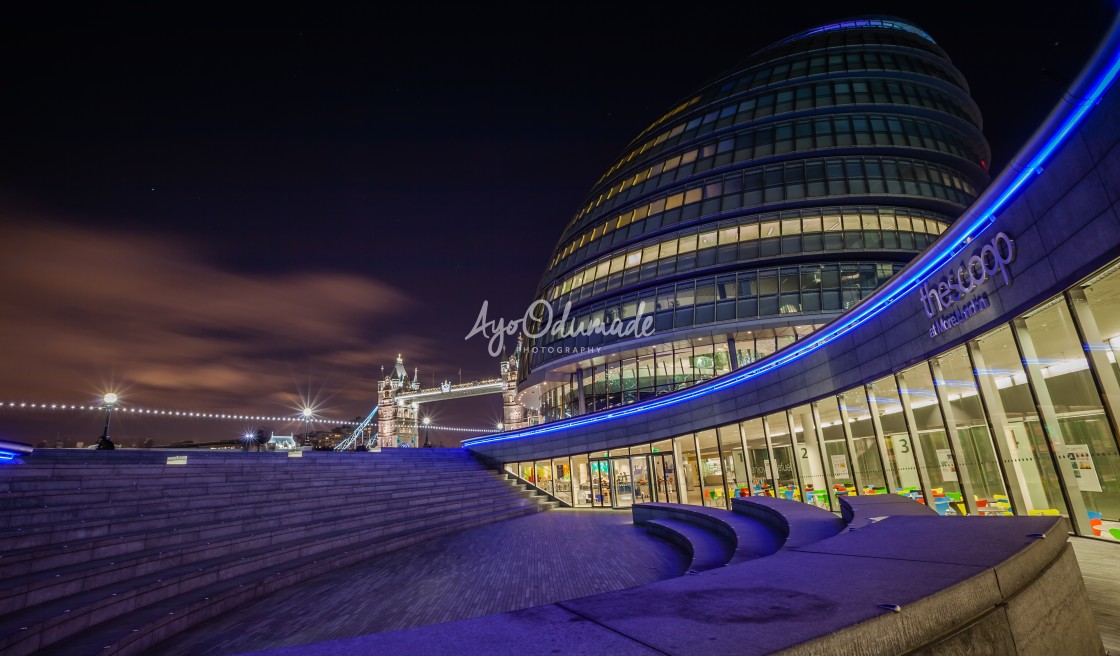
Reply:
x=622, y=483
x=601, y=491
x=664, y=478
x=640, y=473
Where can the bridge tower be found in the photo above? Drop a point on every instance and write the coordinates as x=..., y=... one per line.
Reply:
x=397, y=418
x=514, y=413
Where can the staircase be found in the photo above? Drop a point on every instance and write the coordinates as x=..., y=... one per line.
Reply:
x=112, y=552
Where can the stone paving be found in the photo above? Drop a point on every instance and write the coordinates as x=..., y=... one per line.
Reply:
x=509, y=565
x=1100, y=567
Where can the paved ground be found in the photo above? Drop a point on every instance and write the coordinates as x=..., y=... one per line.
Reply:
x=1100, y=567
x=519, y=563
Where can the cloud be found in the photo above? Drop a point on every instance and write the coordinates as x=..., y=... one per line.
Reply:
x=82, y=309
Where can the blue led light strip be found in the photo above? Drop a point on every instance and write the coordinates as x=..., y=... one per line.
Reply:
x=860, y=23
x=860, y=315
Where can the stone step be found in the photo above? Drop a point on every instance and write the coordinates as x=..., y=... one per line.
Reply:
x=85, y=573
x=866, y=509
x=74, y=524
x=706, y=549
x=129, y=477
x=159, y=532
x=35, y=627
x=798, y=524
x=747, y=538
x=64, y=457
x=93, y=476
x=52, y=495
x=142, y=630
x=24, y=518
x=220, y=512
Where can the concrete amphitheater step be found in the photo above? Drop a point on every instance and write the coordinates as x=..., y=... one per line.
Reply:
x=31, y=628
x=19, y=484
x=160, y=535
x=158, y=455
x=145, y=629
x=861, y=511
x=124, y=535
x=74, y=507
x=705, y=549
x=44, y=587
x=43, y=526
x=21, y=480
x=59, y=485
x=67, y=526
x=798, y=524
x=90, y=481
x=155, y=491
x=746, y=537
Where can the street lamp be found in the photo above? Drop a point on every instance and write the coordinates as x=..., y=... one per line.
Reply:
x=307, y=413
x=105, y=444
x=427, y=421
x=501, y=426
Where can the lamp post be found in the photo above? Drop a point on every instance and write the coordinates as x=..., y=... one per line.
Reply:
x=109, y=400
x=307, y=412
x=427, y=431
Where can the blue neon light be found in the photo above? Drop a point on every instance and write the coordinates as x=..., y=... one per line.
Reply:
x=860, y=23
x=860, y=315
x=7, y=456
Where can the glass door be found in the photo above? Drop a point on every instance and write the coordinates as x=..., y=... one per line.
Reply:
x=640, y=474
x=664, y=478
x=621, y=483
x=601, y=488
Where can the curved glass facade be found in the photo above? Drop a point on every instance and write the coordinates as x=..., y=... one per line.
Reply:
x=1019, y=420
x=772, y=199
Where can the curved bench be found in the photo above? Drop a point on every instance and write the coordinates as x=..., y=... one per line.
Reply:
x=798, y=524
x=744, y=539
x=706, y=550
x=861, y=511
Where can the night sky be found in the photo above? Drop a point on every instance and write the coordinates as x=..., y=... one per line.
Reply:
x=231, y=219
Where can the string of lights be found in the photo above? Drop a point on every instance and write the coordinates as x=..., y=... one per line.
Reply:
x=461, y=430
x=197, y=414
x=191, y=414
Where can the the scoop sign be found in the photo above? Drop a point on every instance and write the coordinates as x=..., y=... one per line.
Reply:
x=991, y=259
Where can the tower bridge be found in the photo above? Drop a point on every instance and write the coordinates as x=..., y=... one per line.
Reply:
x=396, y=420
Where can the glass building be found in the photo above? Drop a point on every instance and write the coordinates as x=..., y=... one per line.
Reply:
x=965, y=431
x=981, y=379
x=757, y=209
